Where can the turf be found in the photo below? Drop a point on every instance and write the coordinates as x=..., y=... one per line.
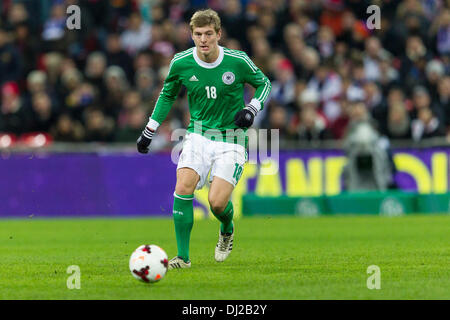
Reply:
x=273, y=258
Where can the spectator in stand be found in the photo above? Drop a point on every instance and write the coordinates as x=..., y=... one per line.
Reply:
x=312, y=126
x=131, y=100
x=348, y=25
x=435, y=70
x=412, y=70
x=54, y=34
x=94, y=70
x=145, y=85
x=309, y=28
x=331, y=15
x=71, y=81
x=36, y=83
x=99, y=127
x=422, y=100
x=233, y=19
x=267, y=21
x=42, y=114
x=340, y=59
x=358, y=110
x=321, y=45
x=339, y=126
x=52, y=65
x=372, y=57
x=183, y=40
x=67, y=129
x=293, y=46
x=137, y=36
x=431, y=8
x=81, y=98
x=262, y=54
x=276, y=118
x=375, y=101
x=135, y=120
x=144, y=60
x=427, y=125
x=14, y=117
x=308, y=124
x=254, y=33
x=310, y=60
x=116, y=85
x=411, y=15
x=388, y=74
x=18, y=14
x=440, y=32
x=374, y=98
x=27, y=46
x=283, y=87
x=10, y=62
x=398, y=122
x=328, y=84
x=443, y=98
x=162, y=52
x=358, y=75
x=325, y=42
x=116, y=56
x=395, y=96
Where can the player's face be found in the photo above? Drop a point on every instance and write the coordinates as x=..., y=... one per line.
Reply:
x=206, y=39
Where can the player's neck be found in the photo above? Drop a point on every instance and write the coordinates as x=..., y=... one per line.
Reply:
x=210, y=57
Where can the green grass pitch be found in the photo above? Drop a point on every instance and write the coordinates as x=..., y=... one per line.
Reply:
x=273, y=258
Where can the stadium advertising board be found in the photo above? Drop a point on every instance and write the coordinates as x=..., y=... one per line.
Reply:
x=36, y=185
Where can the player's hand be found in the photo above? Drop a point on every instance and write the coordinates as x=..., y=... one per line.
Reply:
x=143, y=142
x=244, y=118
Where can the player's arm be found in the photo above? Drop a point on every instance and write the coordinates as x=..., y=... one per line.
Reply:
x=163, y=105
x=255, y=77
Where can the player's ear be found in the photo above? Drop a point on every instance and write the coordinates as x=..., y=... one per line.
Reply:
x=219, y=34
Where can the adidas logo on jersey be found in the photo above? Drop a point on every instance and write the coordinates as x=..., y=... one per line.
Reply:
x=193, y=78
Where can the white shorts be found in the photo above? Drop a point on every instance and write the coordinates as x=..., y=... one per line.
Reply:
x=224, y=160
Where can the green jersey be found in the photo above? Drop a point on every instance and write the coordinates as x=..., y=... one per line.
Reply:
x=215, y=90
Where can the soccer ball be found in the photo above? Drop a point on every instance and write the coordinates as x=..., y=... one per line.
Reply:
x=149, y=263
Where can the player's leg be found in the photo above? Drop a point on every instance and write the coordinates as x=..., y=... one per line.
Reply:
x=183, y=214
x=226, y=171
x=222, y=208
x=193, y=167
x=220, y=204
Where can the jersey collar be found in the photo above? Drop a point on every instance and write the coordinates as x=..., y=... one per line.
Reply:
x=208, y=65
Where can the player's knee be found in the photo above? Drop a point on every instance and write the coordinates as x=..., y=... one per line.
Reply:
x=185, y=186
x=184, y=189
x=186, y=181
x=217, y=205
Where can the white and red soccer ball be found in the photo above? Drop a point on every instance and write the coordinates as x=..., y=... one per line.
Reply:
x=149, y=263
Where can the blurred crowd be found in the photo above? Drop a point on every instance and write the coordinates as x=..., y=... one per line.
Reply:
x=328, y=69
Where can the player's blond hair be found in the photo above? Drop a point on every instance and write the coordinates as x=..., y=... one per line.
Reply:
x=202, y=18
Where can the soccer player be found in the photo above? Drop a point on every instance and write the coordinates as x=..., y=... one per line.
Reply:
x=214, y=77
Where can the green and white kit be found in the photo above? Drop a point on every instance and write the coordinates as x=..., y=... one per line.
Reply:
x=215, y=94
